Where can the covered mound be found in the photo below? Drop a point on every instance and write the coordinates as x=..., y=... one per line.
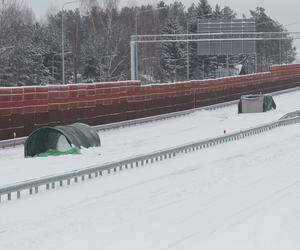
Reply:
x=61, y=139
x=256, y=103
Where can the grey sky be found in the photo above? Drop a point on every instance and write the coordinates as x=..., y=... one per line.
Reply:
x=286, y=12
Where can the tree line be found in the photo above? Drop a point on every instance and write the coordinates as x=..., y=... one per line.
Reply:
x=97, y=37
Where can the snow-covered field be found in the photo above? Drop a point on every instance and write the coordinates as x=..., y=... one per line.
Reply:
x=126, y=142
x=241, y=195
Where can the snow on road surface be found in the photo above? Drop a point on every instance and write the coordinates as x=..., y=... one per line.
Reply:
x=141, y=139
x=241, y=195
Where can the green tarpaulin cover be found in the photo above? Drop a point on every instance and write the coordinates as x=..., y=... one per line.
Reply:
x=54, y=152
x=61, y=139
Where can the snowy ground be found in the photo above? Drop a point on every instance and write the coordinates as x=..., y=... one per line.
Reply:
x=241, y=195
x=126, y=142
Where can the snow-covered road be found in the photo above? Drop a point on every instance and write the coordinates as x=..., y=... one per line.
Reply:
x=242, y=195
x=126, y=142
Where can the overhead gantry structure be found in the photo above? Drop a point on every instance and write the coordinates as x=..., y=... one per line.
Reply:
x=201, y=37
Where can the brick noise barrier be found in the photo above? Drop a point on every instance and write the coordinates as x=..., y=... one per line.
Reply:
x=24, y=109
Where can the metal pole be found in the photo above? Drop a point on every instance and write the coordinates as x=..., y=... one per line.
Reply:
x=136, y=61
x=136, y=28
x=62, y=46
x=280, y=58
x=280, y=55
x=187, y=55
x=255, y=63
x=227, y=65
x=134, y=56
x=53, y=68
x=203, y=68
x=62, y=39
x=136, y=64
x=132, y=61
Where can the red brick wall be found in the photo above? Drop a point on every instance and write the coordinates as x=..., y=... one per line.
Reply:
x=25, y=109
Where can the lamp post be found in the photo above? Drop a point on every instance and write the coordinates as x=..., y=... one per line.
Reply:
x=134, y=73
x=3, y=49
x=187, y=53
x=62, y=39
x=54, y=55
x=144, y=11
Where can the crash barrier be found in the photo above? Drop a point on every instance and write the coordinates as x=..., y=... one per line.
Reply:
x=291, y=115
x=25, y=109
x=51, y=182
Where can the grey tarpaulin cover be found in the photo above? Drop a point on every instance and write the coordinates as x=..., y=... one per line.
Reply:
x=256, y=103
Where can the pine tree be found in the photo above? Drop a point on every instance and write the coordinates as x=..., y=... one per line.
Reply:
x=228, y=13
x=173, y=58
x=198, y=63
x=274, y=51
x=204, y=10
x=217, y=13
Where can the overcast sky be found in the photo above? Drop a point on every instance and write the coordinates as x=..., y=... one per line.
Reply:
x=287, y=12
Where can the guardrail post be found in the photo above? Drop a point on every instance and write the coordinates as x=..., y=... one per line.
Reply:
x=30, y=191
x=9, y=196
x=18, y=194
x=53, y=185
x=36, y=189
x=61, y=183
x=47, y=186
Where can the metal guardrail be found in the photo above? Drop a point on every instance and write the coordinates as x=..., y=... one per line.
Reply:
x=21, y=140
x=12, y=142
x=291, y=115
x=33, y=186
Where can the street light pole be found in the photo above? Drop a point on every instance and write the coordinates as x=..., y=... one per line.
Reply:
x=54, y=55
x=134, y=45
x=187, y=55
x=62, y=46
x=62, y=39
x=144, y=11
